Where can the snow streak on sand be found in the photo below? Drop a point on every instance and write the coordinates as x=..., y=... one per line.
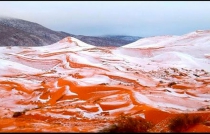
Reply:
x=72, y=80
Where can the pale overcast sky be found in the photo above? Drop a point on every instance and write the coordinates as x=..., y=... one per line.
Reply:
x=138, y=18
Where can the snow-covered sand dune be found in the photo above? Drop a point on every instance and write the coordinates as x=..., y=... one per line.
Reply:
x=74, y=81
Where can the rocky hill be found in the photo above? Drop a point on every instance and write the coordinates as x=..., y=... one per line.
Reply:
x=17, y=32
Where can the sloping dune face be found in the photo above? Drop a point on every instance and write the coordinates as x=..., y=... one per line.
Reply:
x=71, y=86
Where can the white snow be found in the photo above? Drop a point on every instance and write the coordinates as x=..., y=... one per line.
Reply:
x=152, y=42
x=68, y=91
x=142, y=98
x=96, y=79
x=9, y=128
x=81, y=43
x=56, y=115
x=13, y=68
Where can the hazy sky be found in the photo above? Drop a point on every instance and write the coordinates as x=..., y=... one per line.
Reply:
x=138, y=18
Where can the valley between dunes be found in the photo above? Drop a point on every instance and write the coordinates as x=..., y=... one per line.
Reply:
x=71, y=86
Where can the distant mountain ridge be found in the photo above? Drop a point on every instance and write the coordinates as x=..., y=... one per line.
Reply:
x=17, y=32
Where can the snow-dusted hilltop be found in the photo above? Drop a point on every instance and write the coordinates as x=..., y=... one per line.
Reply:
x=17, y=32
x=151, y=42
x=199, y=37
x=189, y=50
